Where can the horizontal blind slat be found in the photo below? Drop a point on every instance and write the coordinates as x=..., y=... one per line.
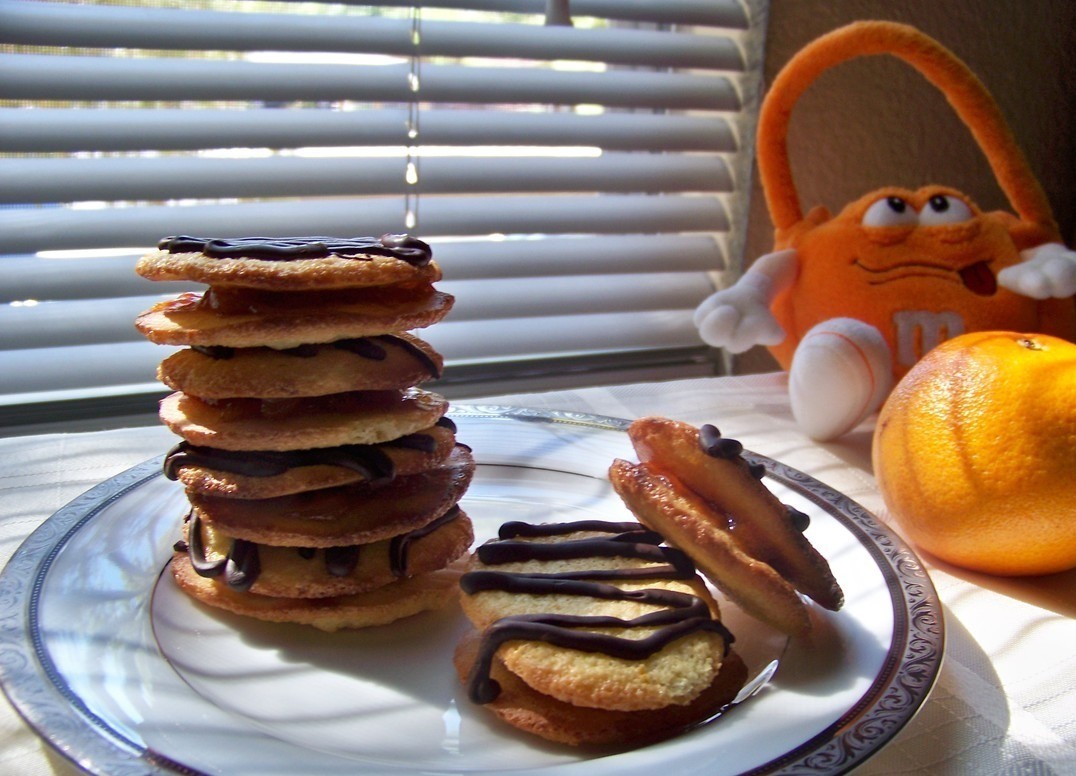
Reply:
x=520, y=338
x=92, y=26
x=164, y=178
x=42, y=77
x=47, y=130
x=32, y=229
x=116, y=366
x=29, y=277
x=480, y=300
x=717, y=13
x=73, y=322
x=569, y=256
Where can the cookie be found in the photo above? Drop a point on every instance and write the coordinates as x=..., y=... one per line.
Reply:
x=522, y=707
x=355, y=418
x=258, y=474
x=712, y=466
x=663, y=504
x=309, y=572
x=292, y=264
x=349, y=514
x=265, y=319
x=592, y=614
x=403, y=598
x=378, y=363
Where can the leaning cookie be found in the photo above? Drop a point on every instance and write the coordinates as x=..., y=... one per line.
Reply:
x=713, y=467
x=395, y=601
x=663, y=504
x=310, y=572
x=262, y=474
x=292, y=263
x=378, y=363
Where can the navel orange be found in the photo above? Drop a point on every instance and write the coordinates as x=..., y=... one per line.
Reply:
x=975, y=453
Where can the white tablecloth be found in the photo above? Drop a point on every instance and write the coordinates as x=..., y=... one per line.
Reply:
x=1005, y=702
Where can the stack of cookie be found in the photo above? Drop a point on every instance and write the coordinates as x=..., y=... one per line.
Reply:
x=323, y=481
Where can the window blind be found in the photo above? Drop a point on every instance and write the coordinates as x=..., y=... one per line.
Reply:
x=578, y=168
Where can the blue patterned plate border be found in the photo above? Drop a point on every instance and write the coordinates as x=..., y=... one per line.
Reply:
x=27, y=673
x=914, y=659
x=42, y=695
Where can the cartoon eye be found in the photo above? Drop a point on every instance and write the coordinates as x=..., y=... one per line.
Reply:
x=890, y=211
x=944, y=209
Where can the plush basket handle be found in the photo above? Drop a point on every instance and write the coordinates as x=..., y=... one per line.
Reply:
x=964, y=91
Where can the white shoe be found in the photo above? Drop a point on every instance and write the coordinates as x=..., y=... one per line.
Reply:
x=841, y=372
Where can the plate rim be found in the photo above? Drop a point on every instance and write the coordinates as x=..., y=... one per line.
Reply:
x=918, y=639
x=908, y=674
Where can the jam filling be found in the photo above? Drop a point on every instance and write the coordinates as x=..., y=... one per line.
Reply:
x=396, y=246
x=682, y=614
x=371, y=348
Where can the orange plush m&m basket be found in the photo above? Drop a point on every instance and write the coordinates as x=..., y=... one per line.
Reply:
x=848, y=303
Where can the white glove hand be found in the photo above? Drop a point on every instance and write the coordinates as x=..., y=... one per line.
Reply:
x=737, y=319
x=1047, y=271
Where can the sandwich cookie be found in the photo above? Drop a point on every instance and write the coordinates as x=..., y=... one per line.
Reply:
x=593, y=632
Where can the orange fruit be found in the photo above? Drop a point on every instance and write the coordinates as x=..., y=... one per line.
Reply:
x=974, y=453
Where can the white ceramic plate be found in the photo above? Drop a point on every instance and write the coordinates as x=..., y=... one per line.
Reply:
x=123, y=674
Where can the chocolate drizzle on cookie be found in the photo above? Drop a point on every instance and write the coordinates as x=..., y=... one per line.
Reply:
x=341, y=561
x=215, y=352
x=241, y=566
x=400, y=546
x=717, y=446
x=800, y=520
x=424, y=443
x=681, y=614
x=371, y=348
x=396, y=246
x=368, y=460
x=713, y=444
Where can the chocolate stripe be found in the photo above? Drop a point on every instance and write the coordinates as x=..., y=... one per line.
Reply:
x=397, y=246
x=682, y=613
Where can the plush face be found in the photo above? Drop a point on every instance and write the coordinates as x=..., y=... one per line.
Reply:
x=921, y=266
x=932, y=236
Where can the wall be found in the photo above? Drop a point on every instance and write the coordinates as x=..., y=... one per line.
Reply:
x=875, y=121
